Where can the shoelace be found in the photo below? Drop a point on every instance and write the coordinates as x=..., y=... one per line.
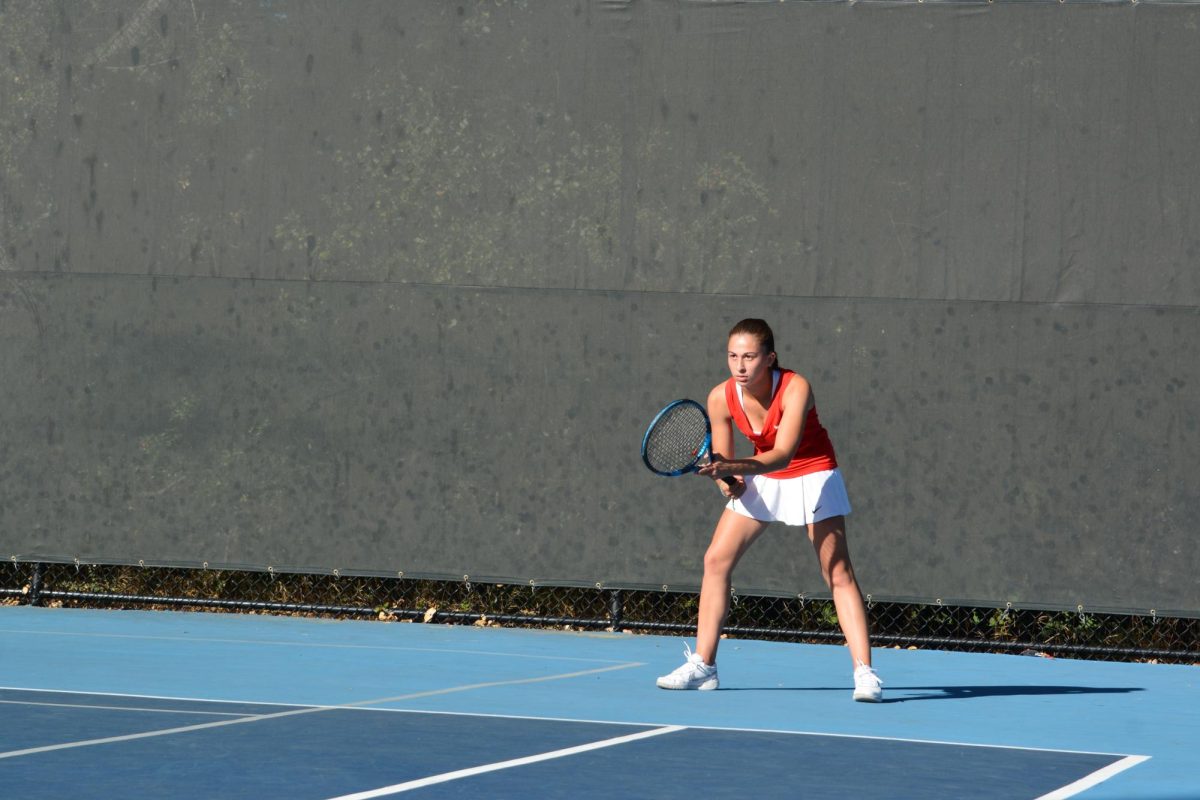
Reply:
x=867, y=673
x=690, y=659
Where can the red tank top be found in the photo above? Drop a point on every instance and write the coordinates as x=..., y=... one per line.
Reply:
x=815, y=451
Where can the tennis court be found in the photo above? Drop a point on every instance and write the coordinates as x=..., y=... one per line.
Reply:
x=361, y=308
x=144, y=704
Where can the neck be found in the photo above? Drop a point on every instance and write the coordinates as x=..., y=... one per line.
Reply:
x=761, y=389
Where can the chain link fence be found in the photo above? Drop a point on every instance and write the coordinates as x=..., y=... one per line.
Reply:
x=1076, y=634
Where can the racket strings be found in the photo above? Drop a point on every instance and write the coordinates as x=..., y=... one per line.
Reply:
x=677, y=439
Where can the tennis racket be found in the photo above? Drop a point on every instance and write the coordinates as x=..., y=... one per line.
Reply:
x=679, y=440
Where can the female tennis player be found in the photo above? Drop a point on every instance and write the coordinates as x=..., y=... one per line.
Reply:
x=792, y=478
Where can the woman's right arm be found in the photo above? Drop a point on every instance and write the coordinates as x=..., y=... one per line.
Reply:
x=722, y=423
x=722, y=438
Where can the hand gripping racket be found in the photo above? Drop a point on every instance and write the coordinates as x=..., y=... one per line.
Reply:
x=679, y=440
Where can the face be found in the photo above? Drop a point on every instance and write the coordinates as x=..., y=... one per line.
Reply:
x=748, y=364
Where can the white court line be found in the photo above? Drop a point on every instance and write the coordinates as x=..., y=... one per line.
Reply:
x=1097, y=777
x=123, y=708
x=730, y=729
x=363, y=707
x=153, y=697
x=277, y=643
x=516, y=762
x=1062, y=793
x=779, y=731
x=913, y=741
x=312, y=710
x=129, y=737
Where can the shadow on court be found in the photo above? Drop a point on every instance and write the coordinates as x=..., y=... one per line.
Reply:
x=952, y=692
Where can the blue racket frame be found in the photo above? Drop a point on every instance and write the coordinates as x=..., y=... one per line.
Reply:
x=701, y=453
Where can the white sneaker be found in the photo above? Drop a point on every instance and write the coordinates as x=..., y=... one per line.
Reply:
x=694, y=674
x=867, y=686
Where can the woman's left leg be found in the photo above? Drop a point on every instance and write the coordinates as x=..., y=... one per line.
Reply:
x=828, y=538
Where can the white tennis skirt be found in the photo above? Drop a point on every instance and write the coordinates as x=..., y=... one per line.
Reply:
x=793, y=501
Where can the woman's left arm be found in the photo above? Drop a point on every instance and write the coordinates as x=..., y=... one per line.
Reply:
x=787, y=438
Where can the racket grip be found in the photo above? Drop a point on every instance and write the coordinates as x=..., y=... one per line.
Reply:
x=729, y=481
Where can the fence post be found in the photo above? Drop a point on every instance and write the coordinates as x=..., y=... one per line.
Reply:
x=35, y=584
x=615, y=608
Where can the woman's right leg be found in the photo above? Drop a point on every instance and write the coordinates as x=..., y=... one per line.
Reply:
x=732, y=538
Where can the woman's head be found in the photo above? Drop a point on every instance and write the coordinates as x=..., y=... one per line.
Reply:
x=751, y=349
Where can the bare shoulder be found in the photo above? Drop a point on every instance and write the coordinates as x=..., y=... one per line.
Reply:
x=798, y=383
x=718, y=407
x=798, y=392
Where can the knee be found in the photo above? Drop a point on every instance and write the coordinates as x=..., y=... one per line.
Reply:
x=841, y=576
x=717, y=562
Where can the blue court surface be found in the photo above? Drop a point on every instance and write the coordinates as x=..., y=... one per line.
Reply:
x=142, y=704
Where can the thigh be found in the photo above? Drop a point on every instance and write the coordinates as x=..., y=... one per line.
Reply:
x=733, y=536
x=828, y=537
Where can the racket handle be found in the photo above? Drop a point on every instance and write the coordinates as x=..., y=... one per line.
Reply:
x=729, y=481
